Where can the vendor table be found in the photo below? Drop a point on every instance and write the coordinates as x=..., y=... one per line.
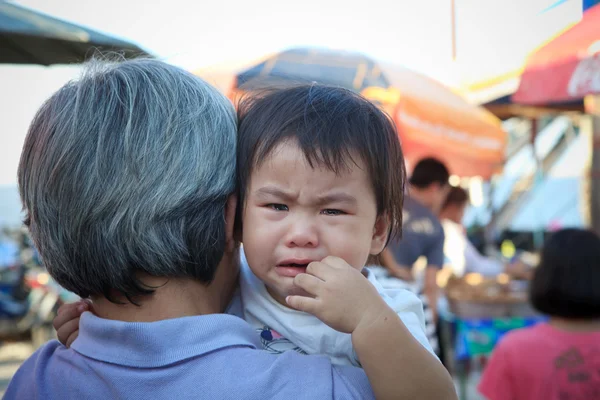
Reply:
x=469, y=339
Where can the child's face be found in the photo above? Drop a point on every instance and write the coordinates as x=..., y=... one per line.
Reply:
x=294, y=214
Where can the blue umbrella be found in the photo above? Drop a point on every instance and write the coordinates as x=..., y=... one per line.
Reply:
x=301, y=65
x=30, y=37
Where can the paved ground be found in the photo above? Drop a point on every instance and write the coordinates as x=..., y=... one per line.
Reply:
x=13, y=354
x=11, y=357
x=471, y=393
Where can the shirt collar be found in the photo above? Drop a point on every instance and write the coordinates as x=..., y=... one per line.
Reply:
x=161, y=343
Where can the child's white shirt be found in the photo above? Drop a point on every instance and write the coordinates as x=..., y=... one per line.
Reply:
x=283, y=329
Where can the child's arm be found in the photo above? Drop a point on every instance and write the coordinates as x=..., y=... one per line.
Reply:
x=396, y=364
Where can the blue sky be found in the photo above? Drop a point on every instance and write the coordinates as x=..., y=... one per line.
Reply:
x=198, y=33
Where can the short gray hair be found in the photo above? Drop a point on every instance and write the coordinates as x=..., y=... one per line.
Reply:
x=128, y=169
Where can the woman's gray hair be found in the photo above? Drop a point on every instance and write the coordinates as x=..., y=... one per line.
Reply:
x=128, y=169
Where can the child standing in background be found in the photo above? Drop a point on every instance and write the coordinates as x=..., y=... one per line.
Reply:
x=558, y=360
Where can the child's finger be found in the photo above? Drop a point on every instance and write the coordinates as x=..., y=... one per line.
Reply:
x=302, y=303
x=67, y=307
x=68, y=312
x=320, y=270
x=66, y=330
x=310, y=283
x=72, y=338
x=335, y=262
x=89, y=304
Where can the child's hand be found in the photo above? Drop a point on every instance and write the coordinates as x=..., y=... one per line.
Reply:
x=66, y=322
x=343, y=297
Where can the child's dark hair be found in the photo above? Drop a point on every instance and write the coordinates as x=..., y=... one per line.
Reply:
x=330, y=125
x=567, y=282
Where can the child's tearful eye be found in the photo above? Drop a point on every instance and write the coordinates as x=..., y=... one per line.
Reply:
x=333, y=212
x=278, y=207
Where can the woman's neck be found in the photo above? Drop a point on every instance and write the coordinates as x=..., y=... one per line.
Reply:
x=173, y=298
x=575, y=325
x=176, y=297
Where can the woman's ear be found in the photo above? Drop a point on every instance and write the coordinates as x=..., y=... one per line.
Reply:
x=230, y=210
x=381, y=231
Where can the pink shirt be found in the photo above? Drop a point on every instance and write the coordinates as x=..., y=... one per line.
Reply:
x=544, y=363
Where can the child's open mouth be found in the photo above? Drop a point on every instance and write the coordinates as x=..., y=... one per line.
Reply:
x=291, y=269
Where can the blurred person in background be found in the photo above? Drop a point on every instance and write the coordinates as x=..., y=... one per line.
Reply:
x=422, y=236
x=559, y=359
x=461, y=255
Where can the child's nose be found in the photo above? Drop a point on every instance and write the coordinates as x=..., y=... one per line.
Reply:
x=302, y=233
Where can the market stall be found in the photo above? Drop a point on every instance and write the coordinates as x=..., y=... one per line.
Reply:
x=432, y=120
x=567, y=70
x=481, y=311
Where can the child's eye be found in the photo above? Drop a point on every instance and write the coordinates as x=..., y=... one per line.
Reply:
x=278, y=207
x=331, y=211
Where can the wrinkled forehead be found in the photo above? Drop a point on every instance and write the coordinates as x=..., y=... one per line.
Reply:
x=287, y=173
x=289, y=150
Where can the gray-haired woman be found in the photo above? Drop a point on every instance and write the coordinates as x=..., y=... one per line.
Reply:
x=126, y=176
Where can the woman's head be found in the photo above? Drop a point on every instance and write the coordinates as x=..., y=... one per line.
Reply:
x=567, y=281
x=128, y=170
x=455, y=204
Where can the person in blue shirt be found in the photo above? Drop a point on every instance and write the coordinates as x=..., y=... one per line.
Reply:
x=422, y=236
x=127, y=178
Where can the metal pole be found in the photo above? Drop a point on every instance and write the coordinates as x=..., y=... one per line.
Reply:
x=592, y=129
x=538, y=232
x=595, y=174
x=453, y=24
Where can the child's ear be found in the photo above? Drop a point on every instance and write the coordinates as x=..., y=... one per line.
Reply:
x=381, y=230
